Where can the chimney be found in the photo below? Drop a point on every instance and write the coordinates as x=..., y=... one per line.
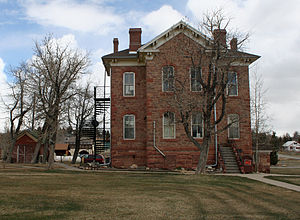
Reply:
x=116, y=45
x=233, y=44
x=134, y=39
x=220, y=36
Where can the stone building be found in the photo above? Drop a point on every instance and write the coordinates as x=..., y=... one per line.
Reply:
x=143, y=127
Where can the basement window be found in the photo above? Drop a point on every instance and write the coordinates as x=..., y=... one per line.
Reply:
x=197, y=125
x=168, y=78
x=195, y=73
x=233, y=130
x=129, y=127
x=169, y=125
x=128, y=84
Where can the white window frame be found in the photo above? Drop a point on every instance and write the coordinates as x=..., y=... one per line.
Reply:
x=197, y=125
x=236, y=84
x=174, y=125
x=125, y=127
x=191, y=88
x=229, y=120
x=124, y=85
x=162, y=73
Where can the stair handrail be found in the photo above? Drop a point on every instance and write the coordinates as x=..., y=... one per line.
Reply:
x=221, y=160
x=238, y=156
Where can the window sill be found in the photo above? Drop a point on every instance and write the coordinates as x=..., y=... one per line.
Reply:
x=169, y=139
x=198, y=138
x=128, y=140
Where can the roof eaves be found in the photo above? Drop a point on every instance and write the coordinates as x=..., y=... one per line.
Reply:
x=170, y=29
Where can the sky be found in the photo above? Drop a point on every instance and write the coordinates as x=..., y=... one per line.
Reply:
x=274, y=27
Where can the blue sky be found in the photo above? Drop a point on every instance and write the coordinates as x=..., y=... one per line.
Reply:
x=92, y=24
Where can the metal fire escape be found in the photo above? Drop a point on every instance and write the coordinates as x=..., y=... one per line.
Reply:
x=101, y=121
x=97, y=128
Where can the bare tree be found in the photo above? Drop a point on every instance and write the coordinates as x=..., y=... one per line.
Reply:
x=258, y=110
x=79, y=108
x=55, y=68
x=210, y=67
x=18, y=107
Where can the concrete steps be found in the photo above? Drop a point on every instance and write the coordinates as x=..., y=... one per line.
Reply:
x=229, y=160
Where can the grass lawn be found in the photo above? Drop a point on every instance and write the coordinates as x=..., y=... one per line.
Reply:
x=57, y=194
x=288, y=179
x=286, y=165
x=287, y=171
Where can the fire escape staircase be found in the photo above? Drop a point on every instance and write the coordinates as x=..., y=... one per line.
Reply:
x=101, y=106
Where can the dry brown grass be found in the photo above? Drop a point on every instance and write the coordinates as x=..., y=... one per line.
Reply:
x=39, y=194
x=287, y=165
x=285, y=171
x=288, y=179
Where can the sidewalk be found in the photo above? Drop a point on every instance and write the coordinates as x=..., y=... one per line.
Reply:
x=261, y=177
x=295, y=157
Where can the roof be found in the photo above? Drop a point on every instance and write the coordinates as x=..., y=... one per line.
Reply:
x=180, y=25
x=61, y=146
x=120, y=54
x=288, y=143
x=32, y=134
x=155, y=43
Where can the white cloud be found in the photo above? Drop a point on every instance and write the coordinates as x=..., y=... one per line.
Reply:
x=68, y=39
x=275, y=31
x=85, y=17
x=3, y=94
x=160, y=20
x=2, y=75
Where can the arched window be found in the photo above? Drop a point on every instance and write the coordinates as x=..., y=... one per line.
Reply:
x=197, y=125
x=128, y=84
x=168, y=78
x=195, y=78
x=232, y=86
x=129, y=127
x=169, y=125
x=233, y=130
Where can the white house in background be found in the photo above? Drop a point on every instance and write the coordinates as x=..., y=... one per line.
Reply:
x=291, y=146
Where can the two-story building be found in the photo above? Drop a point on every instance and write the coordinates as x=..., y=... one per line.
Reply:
x=144, y=130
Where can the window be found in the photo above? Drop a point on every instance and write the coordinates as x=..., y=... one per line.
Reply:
x=129, y=127
x=197, y=125
x=195, y=79
x=233, y=130
x=128, y=84
x=232, y=88
x=168, y=78
x=169, y=125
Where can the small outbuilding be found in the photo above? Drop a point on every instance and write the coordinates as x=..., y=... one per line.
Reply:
x=62, y=150
x=24, y=148
x=291, y=146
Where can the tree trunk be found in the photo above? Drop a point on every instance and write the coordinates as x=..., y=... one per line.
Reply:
x=36, y=152
x=51, y=156
x=45, y=153
x=4, y=153
x=10, y=150
x=203, y=156
x=256, y=153
x=77, y=146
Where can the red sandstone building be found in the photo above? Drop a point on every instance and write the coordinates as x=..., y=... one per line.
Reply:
x=143, y=128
